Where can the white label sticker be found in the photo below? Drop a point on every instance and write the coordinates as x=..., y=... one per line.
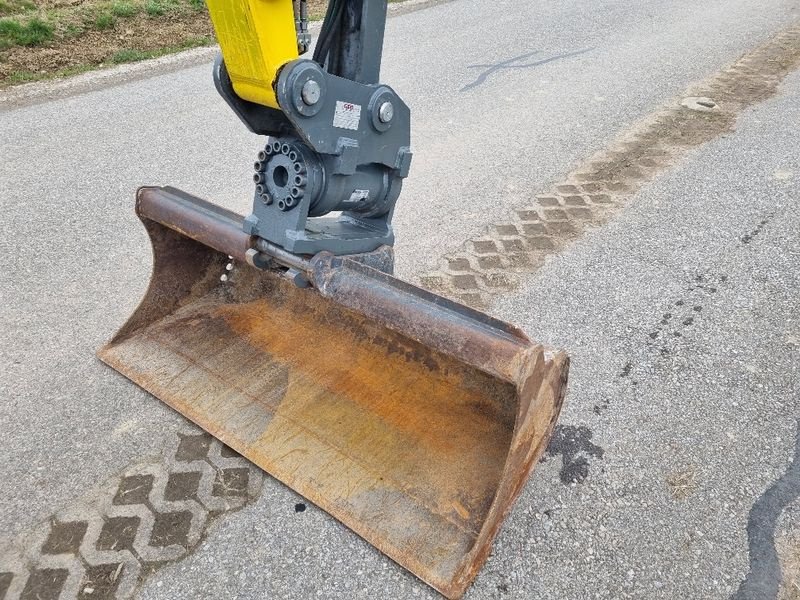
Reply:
x=347, y=116
x=359, y=196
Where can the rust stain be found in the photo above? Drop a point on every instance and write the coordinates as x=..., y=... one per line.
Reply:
x=409, y=397
x=424, y=429
x=459, y=508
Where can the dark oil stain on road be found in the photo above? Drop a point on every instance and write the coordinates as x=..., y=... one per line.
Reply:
x=684, y=312
x=746, y=239
x=574, y=445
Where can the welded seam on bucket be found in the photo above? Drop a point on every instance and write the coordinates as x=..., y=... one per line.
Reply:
x=106, y=541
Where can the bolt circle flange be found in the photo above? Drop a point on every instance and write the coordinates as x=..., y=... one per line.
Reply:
x=282, y=177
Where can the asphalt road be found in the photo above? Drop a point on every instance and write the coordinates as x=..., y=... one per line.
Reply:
x=678, y=441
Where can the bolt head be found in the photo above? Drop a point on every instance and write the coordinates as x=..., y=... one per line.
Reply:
x=299, y=279
x=386, y=112
x=311, y=92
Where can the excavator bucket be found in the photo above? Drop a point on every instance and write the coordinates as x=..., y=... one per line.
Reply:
x=413, y=420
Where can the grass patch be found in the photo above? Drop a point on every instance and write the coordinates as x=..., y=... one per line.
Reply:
x=129, y=55
x=124, y=10
x=156, y=8
x=120, y=57
x=28, y=76
x=103, y=21
x=23, y=77
x=40, y=39
x=73, y=31
x=12, y=7
x=34, y=23
x=33, y=33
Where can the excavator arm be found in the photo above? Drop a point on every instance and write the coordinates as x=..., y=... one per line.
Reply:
x=339, y=140
x=257, y=38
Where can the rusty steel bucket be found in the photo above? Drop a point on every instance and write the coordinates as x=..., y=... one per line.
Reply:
x=413, y=420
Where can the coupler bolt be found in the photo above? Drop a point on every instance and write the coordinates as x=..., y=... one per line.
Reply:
x=386, y=112
x=311, y=92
